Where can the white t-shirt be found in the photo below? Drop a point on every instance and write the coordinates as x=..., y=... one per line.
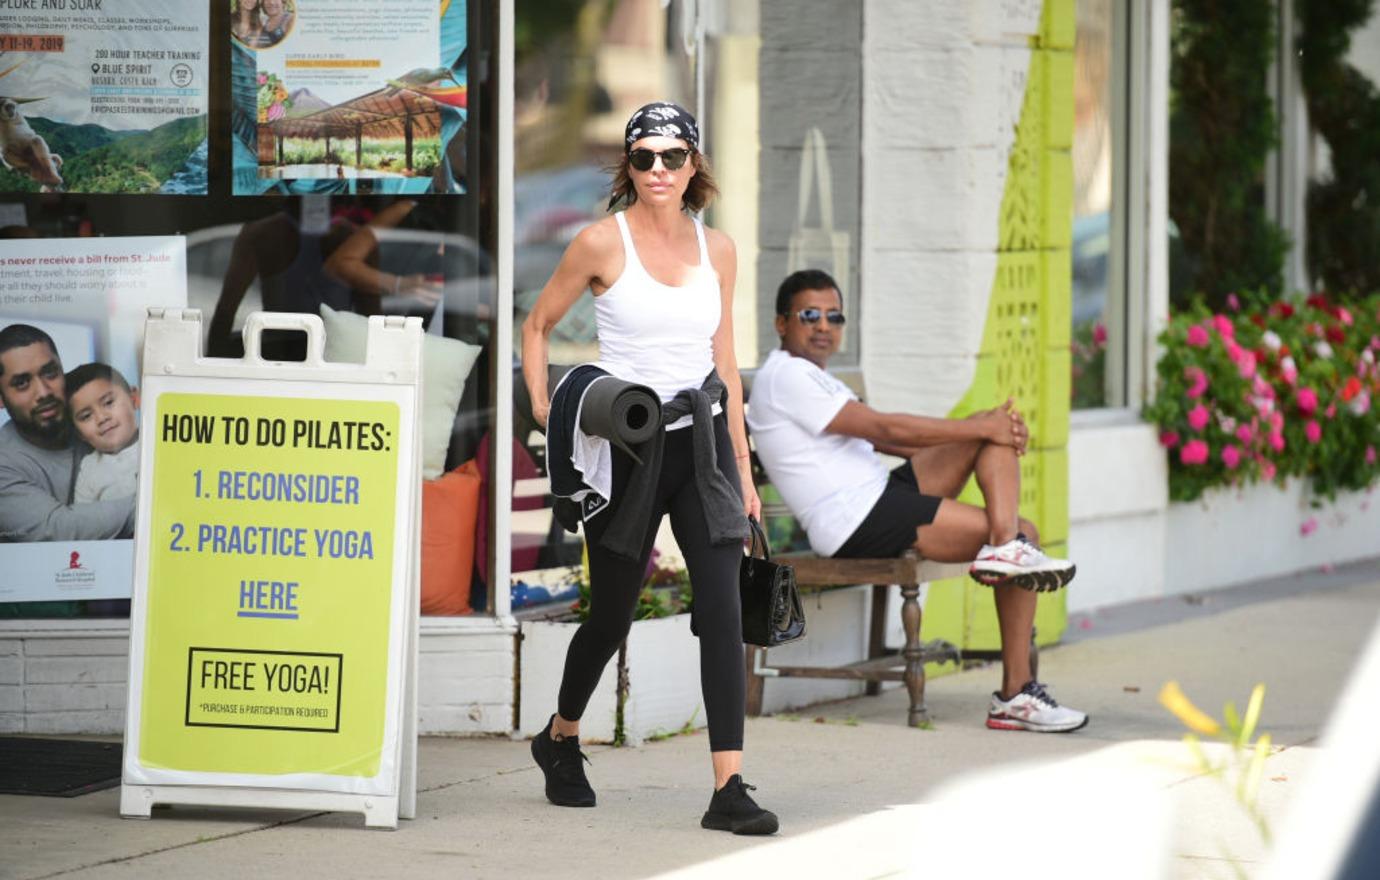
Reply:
x=829, y=481
x=104, y=475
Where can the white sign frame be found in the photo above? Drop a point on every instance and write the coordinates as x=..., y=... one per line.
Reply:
x=391, y=372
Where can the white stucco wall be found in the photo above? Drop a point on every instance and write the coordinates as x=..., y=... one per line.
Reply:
x=943, y=85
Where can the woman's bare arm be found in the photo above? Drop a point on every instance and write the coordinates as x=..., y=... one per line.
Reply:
x=580, y=266
x=724, y=257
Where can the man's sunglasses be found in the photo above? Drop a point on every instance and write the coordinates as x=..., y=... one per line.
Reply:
x=671, y=160
x=812, y=316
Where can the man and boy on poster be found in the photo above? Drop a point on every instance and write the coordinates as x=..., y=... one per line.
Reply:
x=69, y=452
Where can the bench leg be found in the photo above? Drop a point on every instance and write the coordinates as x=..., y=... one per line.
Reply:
x=876, y=640
x=915, y=667
x=754, y=682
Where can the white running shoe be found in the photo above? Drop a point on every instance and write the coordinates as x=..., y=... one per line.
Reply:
x=1033, y=709
x=1020, y=563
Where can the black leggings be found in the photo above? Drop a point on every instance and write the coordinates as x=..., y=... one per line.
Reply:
x=615, y=582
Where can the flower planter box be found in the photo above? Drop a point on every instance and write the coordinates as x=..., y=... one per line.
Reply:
x=1234, y=535
x=660, y=668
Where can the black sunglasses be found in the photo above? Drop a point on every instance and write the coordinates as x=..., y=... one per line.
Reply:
x=643, y=159
x=812, y=316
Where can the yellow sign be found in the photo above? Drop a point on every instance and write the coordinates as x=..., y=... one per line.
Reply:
x=269, y=588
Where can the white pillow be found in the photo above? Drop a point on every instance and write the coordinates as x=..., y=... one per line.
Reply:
x=446, y=364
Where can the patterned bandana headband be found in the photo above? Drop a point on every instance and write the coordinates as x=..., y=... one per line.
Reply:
x=665, y=119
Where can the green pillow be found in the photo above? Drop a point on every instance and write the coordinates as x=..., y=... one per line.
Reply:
x=446, y=363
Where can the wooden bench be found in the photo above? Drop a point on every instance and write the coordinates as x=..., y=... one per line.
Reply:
x=814, y=573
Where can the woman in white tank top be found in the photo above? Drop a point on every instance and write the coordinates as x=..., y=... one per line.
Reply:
x=663, y=288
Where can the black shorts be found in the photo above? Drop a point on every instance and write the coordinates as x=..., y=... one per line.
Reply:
x=889, y=528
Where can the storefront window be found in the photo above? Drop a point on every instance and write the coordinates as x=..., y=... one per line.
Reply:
x=377, y=197
x=775, y=87
x=1096, y=320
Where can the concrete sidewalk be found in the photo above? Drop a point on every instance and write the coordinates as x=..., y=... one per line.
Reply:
x=830, y=773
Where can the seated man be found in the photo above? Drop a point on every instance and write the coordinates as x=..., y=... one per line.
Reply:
x=819, y=443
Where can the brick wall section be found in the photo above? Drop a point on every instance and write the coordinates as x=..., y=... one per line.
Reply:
x=74, y=681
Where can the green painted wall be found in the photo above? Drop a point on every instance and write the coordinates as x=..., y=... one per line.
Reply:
x=1025, y=346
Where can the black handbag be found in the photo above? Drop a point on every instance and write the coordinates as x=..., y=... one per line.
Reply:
x=772, y=611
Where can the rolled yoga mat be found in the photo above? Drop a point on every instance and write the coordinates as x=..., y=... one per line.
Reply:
x=621, y=412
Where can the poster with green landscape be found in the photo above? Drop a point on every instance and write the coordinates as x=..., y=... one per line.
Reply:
x=96, y=98
x=335, y=96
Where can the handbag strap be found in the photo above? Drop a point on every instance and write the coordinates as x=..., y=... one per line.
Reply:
x=759, y=539
x=814, y=166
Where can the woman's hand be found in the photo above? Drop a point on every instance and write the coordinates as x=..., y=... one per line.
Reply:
x=752, y=504
x=541, y=412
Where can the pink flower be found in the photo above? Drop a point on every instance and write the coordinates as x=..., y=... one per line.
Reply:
x=1245, y=434
x=1194, y=452
x=1361, y=404
x=1198, y=417
x=1231, y=457
x=1267, y=469
x=1198, y=337
x=1245, y=364
x=1370, y=455
x=1233, y=350
x=1233, y=303
x=1262, y=388
x=263, y=78
x=1308, y=526
x=1344, y=316
x=1169, y=439
x=1331, y=411
x=1277, y=421
x=1277, y=442
x=1198, y=382
x=1313, y=431
x=1307, y=400
x=1224, y=326
x=1099, y=336
x=275, y=112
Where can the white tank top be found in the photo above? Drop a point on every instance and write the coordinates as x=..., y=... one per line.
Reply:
x=656, y=334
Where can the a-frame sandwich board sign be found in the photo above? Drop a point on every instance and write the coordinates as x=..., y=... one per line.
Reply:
x=274, y=622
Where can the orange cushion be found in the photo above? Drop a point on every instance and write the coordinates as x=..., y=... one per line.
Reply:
x=450, y=509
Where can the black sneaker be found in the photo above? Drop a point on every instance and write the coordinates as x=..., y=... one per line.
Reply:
x=733, y=809
x=562, y=762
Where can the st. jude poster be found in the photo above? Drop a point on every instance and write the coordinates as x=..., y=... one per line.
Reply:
x=71, y=325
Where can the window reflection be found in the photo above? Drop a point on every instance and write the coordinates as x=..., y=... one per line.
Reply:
x=582, y=68
x=1092, y=203
x=431, y=257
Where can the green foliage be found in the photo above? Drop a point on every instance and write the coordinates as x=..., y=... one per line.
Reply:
x=1344, y=107
x=666, y=593
x=97, y=160
x=538, y=25
x=1222, y=128
x=384, y=155
x=1273, y=390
